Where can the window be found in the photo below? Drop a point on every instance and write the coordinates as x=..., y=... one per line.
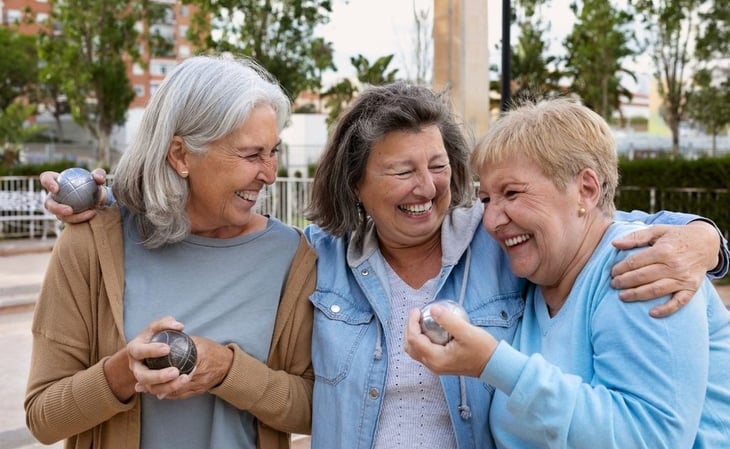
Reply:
x=14, y=16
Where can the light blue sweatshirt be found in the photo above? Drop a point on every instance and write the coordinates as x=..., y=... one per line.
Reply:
x=604, y=374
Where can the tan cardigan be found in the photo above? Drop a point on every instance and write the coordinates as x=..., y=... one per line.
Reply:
x=78, y=323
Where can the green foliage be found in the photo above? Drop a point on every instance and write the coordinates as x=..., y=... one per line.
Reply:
x=665, y=172
x=534, y=73
x=37, y=169
x=277, y=34
x=670, y=28
x=14, y=131
x=708, y=104
x=699, y=186
x=18, y=66
x=88, y=61
x=597, y=48
x=377, y=73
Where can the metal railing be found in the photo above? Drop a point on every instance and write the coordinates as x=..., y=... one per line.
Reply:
x=22, y=214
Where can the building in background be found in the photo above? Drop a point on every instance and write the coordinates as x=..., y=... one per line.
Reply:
x=168, y=45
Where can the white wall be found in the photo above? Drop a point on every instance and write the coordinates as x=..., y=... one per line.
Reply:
x=304, y=141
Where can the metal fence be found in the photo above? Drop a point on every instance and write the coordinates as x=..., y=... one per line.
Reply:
x=22, y=214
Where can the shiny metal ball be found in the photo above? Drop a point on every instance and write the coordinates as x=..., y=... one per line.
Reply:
x=431, y=328
x=77, y=188
x=183, y=353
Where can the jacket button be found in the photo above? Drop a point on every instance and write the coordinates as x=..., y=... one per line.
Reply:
x=365, y=272
x=334, y=308
x=503, y=315
x=374, y=393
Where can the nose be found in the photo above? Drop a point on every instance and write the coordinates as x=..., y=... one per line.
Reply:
x=268, y=166
x=494, y=217
x=425, y=184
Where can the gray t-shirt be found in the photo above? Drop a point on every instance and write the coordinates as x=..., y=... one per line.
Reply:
x=227, y=290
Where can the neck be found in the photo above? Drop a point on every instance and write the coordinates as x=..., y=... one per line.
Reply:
x=415, y=264
x=557, y=293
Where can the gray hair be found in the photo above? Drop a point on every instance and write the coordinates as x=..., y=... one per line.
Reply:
x=202, y=100
x=380, y=110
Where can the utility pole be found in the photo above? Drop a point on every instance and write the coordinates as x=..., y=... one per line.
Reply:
x=506, y=53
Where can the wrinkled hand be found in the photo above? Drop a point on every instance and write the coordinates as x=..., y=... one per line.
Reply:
x=62, y=211
x=466, y=354
x=214, y=362
x=163, y=382
x=675, y=262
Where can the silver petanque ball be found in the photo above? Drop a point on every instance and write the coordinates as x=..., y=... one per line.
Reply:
x=431, y=328
x=76, y=188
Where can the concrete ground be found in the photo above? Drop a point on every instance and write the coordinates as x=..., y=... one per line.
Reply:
x=22, y=267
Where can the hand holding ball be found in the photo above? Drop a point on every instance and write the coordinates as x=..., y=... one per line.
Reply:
x=183, y=354
x=431, y=328
x=77, y=188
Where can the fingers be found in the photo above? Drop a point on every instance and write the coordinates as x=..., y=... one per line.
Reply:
x=678, y=300
x=99, y=176
x=646, y=257
x=48, y=181
x=159, y=382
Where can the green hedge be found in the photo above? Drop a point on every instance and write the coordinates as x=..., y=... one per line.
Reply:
x=695, y=186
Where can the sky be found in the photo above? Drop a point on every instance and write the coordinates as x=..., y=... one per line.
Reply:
x=375, y=28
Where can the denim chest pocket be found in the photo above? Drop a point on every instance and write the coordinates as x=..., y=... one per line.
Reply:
x=498, y=315
x=340, y=328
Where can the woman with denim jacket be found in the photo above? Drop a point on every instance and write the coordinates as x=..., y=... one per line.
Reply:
x=395, y=227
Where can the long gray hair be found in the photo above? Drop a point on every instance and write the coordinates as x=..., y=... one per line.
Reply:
x=204, y=99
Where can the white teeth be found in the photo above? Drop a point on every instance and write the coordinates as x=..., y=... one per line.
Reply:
x=517, y=240
x=247, y=195
x=417, y=208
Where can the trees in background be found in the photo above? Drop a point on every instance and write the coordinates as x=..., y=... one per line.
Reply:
x=86, y=60
x=597, y=51
x=18, y=92
x=280, y=35
x=340, y=94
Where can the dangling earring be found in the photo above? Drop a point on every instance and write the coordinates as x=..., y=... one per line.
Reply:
x=581, y=211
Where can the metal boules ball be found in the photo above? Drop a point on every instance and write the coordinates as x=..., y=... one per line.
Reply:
x=431, y=328
x=183, y=353
x=77, y=188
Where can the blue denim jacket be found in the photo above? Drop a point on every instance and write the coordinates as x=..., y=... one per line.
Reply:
x=349, y=344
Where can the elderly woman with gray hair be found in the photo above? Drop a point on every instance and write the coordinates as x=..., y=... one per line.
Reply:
x=183, y=246
x=584, y=368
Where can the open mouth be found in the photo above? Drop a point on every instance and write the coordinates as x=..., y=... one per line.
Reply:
x=416, y=209
x=512, y=241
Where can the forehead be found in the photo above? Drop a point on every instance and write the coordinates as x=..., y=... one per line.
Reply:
x=405, y=144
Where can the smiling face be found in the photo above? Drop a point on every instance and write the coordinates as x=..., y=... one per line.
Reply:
x=405, y=188
x=226, y=180
x=536, y=223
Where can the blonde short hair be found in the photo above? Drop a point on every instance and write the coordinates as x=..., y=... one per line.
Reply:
x=561, y=136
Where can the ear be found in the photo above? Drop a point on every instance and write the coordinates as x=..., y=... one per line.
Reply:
x=589, y=188
x=177, y=156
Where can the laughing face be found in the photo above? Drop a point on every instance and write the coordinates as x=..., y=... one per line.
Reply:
x=535, y=222
x=226, y=180
x=406, y=187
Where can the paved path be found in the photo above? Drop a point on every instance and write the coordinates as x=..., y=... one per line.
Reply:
x=22, y=267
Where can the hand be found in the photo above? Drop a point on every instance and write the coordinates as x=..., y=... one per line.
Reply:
x=466, y=354
x=161, y=382
x=676, y=262
x=214, y=363
x=62, y=211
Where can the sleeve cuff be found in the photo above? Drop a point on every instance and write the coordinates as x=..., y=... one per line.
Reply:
x=504, y=368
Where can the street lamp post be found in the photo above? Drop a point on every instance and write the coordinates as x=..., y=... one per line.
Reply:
x=506, y=49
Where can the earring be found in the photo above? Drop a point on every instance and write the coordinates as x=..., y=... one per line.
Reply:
x=184, y=174
x=581, y=211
